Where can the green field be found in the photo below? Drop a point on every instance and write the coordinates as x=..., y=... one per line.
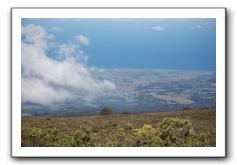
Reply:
x=189, y=128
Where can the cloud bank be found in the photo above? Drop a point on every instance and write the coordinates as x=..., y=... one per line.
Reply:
x=47, y=80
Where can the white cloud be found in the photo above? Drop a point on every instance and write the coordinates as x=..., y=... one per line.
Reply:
x=46, y=80
x=57, y=29
x=51, y=36
x=83, y=40
x=199, y=26
x=67, y=49
x=158, y=28
x=37, y=91
x=34, y=35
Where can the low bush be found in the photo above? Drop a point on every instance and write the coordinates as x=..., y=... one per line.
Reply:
x=176, y=132
x=106, y=111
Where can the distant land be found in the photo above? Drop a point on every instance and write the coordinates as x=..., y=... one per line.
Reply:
x=138, y=90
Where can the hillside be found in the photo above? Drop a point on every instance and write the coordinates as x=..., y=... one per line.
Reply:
x=178, y=128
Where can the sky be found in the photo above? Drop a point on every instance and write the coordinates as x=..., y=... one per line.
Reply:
x=135, y=43
x=58, y=55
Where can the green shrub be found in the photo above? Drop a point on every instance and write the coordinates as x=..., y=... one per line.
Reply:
x=33, y=136
x=176, y=132
x=147, y=136
x=142, y=135
x=84, y=137
x=127, y=126
x=106, y=111
x=207, y=139
x=187, y=109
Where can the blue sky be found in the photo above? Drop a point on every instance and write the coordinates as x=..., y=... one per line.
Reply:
x=134, y=43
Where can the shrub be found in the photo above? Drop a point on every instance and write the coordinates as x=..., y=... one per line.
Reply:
x=176, y=132
x=186, y=109
x=142, y=135
x=84, y=137
x=147, y=137
x=206, y=139
x=204, y=108
x=127, y=113
x=106, y=111
x=34, y=136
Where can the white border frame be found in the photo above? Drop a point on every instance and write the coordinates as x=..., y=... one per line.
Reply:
x=218, y=151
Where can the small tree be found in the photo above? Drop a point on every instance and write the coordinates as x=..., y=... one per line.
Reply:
x=106, y=111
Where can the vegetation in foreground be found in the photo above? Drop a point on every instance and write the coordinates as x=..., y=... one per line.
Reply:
x=191, y=128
